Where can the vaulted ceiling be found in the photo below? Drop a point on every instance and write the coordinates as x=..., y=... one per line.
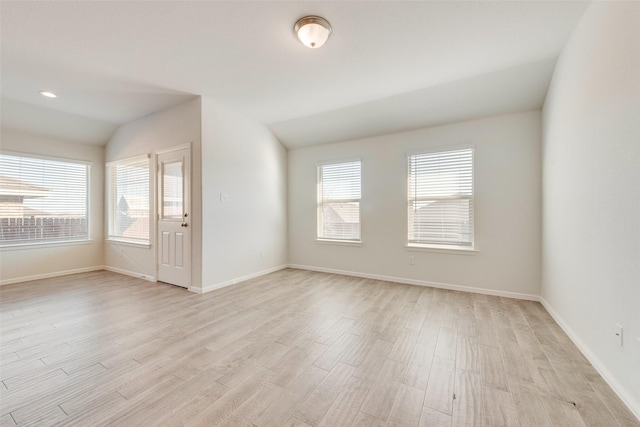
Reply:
x=388, y=65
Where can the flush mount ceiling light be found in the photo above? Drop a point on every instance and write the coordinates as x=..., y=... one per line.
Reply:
x=48, y=94
x=313, y=31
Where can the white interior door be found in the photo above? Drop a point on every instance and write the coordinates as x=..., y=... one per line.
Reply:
x=174, y=231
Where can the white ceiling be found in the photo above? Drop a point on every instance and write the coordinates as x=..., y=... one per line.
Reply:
x=388, y=66
x=520, y=88
x=55, y=124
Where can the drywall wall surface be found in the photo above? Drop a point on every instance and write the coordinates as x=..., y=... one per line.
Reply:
x=507, y=207
x=591, y=191
x=160, y=131
x=33, y=262
x=244, y=187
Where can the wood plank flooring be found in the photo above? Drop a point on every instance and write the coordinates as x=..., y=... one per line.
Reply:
x=293, y=348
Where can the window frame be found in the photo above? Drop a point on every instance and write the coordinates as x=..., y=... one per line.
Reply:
x=111, y=204
x=74, y=240
x=320, y=203
x=440, y=246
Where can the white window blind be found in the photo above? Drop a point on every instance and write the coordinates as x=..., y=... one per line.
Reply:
x=42, y=200
x=339, y=201
x=128, y=200
x=441, y=198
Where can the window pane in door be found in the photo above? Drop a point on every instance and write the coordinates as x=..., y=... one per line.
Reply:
x=172, y=191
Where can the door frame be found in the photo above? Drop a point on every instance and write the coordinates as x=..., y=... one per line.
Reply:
x=158, y=209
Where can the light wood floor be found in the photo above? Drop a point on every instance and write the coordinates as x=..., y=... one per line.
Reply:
x=291, y=348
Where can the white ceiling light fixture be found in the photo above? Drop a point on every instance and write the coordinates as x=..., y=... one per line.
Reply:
x=313, y=31
x=48, y=94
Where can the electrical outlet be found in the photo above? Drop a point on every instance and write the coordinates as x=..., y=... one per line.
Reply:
x=412, y=260
x=619, y=337
x=638, y=349
x=224, y=197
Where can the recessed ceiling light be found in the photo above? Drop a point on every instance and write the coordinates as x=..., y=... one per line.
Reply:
x=48, y=94
x=312, y=31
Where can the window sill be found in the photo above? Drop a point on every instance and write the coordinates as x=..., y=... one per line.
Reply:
x=339, y=242
x=455, y=250
x=44, y=245
x=128, y=243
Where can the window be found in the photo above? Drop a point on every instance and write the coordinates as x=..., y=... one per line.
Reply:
x=128, y=200
x=441, y=199
x=339, y=201
x=42, y=200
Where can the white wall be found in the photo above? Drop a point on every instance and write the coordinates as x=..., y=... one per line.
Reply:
x=21, y=264
x=241, y=158
x=591, y=187
x=175, y=126
x=507, y=207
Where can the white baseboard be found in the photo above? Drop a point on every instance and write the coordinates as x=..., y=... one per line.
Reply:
x=461, y=288
x=50, y=275
x=618, y=388
x=202, y=290
x=129, y=273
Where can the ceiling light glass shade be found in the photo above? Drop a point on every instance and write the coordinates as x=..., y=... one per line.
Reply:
x=313, y=31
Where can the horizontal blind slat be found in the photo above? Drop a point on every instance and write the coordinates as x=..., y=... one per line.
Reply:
x=129, y=210
x=440, y=197
x=42, y=200
x=339, y=201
